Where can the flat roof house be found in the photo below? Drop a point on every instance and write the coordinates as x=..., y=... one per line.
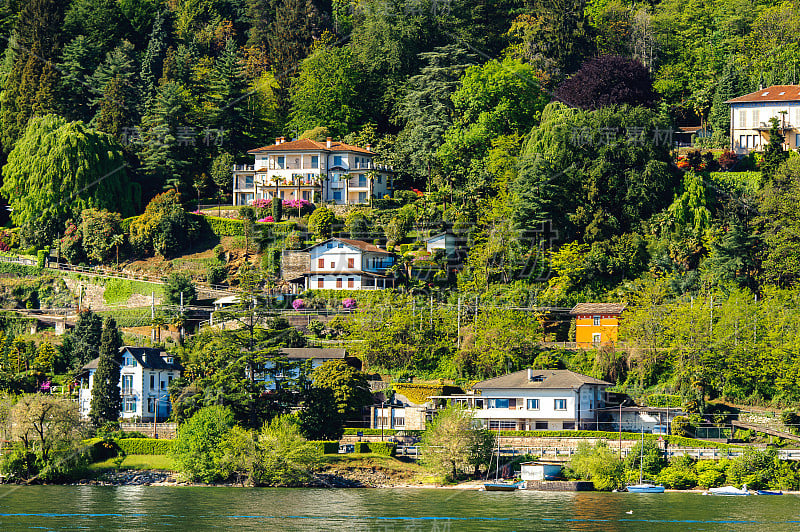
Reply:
x=314, y=171
x=751, y=114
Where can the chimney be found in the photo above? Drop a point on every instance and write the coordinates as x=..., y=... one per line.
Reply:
x=530, y=374
x=369, y=147
x=277, y=140
x=328, y=143
x=283, y=139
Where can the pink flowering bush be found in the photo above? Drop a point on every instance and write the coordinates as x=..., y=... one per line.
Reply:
x=261, y=203
x=266, y=220
x=298, y=304
x=349, y=303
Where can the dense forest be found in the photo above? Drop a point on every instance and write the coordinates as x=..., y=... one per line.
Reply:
x=540, y=132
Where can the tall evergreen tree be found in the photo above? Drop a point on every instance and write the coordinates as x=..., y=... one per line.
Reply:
x=106, y=401
x=30, y=87
x=85, y=338
x=228, y=95
x=153, y=60
x=289, y=41
x=428, y=108
x=167, y=154
x=733, y=83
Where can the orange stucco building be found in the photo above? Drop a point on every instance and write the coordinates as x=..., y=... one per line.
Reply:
x=596, y=324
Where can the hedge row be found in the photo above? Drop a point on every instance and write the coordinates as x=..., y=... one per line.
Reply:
x=233, y=227
x=145, y=445
x=326, y=447
x=19, y=269
x=380, y=447
x=663, y=400
x=610, y=435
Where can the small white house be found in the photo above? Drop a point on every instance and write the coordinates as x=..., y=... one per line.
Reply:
x=444, y=241
x=145, y=376
x=536, y=400
x=345, y=264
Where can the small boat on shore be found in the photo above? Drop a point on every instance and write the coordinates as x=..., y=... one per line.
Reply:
x=767, y=492
x=729, y=490
x=503, y=486
x=645, y=488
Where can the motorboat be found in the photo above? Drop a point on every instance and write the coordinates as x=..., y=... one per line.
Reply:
x=729, y=490
x=645, y=488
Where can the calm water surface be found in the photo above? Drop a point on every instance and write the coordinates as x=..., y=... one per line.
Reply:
x=385, y=510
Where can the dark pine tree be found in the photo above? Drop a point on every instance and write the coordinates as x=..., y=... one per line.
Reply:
x=774, y=153
x=608, y=80
x=85, y=338
x=106, y=400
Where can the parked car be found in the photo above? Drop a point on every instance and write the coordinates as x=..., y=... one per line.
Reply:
x=347, y=448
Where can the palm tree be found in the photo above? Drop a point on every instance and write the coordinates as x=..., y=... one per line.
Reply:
x=117, y=241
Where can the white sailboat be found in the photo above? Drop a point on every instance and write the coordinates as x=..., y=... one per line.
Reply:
x=642, y=486
x=501, y=485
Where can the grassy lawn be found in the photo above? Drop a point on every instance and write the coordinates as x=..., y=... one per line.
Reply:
x=400, y=468
x=136, y=461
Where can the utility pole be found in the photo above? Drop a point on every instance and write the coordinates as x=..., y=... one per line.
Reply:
x=458, y=323
x=153, y=315
x=181, y=331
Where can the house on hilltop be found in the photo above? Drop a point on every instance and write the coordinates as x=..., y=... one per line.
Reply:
x=596, y=324
x=306, y=169
x=145, y=376
x=751, y=113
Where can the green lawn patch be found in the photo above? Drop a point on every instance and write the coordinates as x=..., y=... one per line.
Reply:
x=136, y=462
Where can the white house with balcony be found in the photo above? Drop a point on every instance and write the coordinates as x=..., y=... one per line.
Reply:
x=750, y=118
x=145, y=376
x=345, y=264
x=536, y=400
x=329, y=171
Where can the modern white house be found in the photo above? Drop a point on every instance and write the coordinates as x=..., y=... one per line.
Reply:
x=310, y=358
x=145, y=376
x=751, y=113
x=345, y=264
x=536, y=400
x=329, y=171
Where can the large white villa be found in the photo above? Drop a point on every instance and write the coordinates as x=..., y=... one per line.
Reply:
x=305, y=169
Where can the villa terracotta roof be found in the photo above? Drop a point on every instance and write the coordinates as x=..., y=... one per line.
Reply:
x=775, y=93
x=310, y=145
x=597, y=308
x=542, y=378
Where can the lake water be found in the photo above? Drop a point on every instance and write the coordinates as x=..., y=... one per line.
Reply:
x=386, y=510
